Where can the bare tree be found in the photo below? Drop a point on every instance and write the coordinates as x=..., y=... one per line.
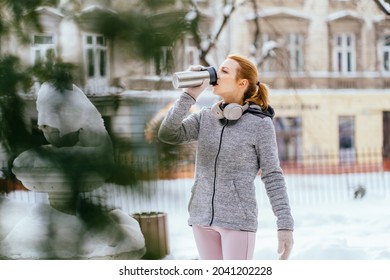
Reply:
x=260, y=51
x=384, y=5
x=212, y=39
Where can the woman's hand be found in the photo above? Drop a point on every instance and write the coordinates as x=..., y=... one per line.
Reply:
x=196, y=91
x=286, y=242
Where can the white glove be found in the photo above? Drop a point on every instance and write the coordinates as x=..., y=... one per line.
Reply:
x=286, y=242
x=196, y=91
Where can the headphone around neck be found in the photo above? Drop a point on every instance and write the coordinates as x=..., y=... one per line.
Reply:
x=232, y=111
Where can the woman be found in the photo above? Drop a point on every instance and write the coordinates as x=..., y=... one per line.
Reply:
x=236, y=139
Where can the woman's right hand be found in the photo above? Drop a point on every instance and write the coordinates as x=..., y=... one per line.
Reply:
x=196, y=91
x=285, y=243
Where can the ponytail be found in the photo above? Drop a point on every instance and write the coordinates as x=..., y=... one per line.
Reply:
x=257, y=94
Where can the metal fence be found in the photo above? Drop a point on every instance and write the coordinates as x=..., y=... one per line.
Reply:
x=166, y=186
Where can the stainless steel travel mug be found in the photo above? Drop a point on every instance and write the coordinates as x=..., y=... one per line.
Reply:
x=187, y=79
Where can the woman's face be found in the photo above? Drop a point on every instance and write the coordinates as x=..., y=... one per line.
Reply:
x=227, y=85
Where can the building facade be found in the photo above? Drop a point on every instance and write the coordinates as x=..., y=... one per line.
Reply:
x=327, y=63
x=328, y=70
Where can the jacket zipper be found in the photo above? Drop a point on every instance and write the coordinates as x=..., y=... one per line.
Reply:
x=215, y=173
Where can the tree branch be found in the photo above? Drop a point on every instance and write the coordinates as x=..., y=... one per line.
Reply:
x=382, y=5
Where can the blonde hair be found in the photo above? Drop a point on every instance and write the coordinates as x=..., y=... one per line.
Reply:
x=256, y=91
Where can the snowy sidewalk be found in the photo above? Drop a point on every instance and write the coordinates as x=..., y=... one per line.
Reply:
x=353, y=230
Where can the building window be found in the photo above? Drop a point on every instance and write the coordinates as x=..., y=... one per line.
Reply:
x=347, y=138
x=95, y=56
x=386, y=135
x=295, y=50
x=43, y=48
x=344, y=53
x=385, y=51
x=285, y=53
x=289, y=138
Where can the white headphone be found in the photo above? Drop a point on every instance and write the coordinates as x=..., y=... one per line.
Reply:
x=232, y=111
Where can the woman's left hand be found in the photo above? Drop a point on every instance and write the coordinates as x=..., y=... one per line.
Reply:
x=286, y=242
x=196, y=91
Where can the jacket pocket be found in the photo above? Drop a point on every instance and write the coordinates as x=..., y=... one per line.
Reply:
x=199, y=203
x=228, y=205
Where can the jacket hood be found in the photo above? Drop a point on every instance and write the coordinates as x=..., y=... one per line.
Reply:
x=256, y=110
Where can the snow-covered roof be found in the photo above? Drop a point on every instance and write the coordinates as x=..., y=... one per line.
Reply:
x=278, y=11
x=49, y=10
x=344, y=14
x=95, y=8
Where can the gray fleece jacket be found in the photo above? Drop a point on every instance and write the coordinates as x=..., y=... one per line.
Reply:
x=229, y=157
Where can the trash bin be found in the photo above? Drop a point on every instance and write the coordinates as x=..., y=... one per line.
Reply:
x=154, y=228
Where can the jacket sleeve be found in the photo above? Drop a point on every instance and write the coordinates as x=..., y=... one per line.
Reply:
x=272, y=176
x=179, y=126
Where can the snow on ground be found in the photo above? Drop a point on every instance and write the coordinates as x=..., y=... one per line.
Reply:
x=329, y=223
x=339, y=228
x=351, y=230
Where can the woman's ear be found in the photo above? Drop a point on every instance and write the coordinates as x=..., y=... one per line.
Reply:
x=243, y=83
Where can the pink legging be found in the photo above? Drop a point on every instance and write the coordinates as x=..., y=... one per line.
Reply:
x=215, y=243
